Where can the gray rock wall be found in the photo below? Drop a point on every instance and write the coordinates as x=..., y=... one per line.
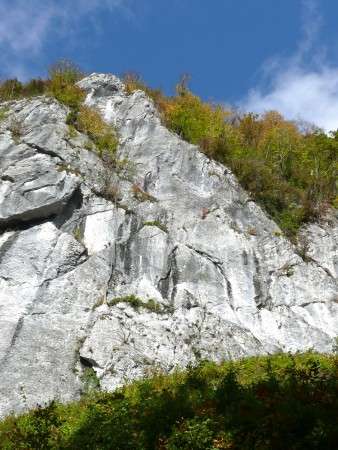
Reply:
x=167, y=225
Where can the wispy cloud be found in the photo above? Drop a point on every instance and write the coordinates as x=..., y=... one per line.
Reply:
x=26, y=25
x=304, y=86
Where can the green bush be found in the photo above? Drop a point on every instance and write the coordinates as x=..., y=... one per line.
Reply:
x=34, y=87
x=61, y=84
x=151, y=304
x=194, y=120
x=278, y=402
x=192, y=434
x=40, y=430
x=14, y=89
x=89, y=121
x=90, y=380
x=105, y=425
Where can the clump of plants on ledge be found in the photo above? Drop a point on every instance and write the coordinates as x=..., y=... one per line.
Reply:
x=291, y=174
x=156, y=223
x=102, y=136
x=151, y=304
x=278, y=402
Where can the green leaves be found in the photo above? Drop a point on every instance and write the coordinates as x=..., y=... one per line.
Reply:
x=278, y=402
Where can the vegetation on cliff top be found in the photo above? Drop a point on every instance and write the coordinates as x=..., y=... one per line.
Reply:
x=263, y=403
x=61, y=84
x=292, y=174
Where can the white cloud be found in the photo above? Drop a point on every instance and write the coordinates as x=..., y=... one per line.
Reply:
x=26, y=25
x=23, y=24
x=301, y=95
x=302, y=87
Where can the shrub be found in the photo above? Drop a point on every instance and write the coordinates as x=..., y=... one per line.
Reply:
x=103, y=135
x=69, y=95
x=192, y=434
x=39, y=431
x=151, y=304
x=90, y=380
x=78, y=234
x=112, y=192
x=278, y=402
x=194, y=120
x=14, y=89
x=61, y=84
x=65, y=72
x=34, y=87
x=106, y=425
x=10, y=89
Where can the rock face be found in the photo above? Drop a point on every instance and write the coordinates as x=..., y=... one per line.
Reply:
x=167, y=225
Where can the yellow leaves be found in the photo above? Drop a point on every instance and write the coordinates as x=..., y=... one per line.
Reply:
x=269, y=133
x=61, y=84
x=90, y=122
x=194, y=120
x=103, y=135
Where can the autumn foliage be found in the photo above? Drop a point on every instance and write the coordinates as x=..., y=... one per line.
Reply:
x=292, y=174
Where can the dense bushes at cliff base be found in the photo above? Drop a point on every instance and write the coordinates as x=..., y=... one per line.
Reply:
x=260, y=403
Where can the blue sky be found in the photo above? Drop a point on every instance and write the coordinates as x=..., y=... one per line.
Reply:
x=253, y=54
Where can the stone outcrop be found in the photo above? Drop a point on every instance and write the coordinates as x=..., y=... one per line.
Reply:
x=167, y=225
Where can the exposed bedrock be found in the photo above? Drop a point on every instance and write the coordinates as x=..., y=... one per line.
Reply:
x=215, y=275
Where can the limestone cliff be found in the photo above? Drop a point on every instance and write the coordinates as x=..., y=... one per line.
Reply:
x=167, y=225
